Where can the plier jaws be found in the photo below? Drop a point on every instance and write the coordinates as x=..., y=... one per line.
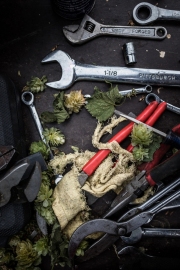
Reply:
x=21, y=183
x=129, y=193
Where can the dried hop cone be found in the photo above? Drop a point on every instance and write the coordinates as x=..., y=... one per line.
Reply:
x=141, y=135
x=54, y=136
x=74, y=101
x=36, y=85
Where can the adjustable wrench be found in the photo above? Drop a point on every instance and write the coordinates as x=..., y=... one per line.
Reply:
x=89, y=29
x=73, y=71
x=169, y=107
x=145, y=13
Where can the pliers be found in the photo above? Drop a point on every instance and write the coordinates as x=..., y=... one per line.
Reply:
x=135, y=188
x=132, y=219
x=6, y=155
x=22, y=182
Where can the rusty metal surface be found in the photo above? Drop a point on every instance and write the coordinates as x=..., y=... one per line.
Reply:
x=30, y=30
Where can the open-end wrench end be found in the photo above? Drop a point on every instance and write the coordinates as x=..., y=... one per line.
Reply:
x=71, y=36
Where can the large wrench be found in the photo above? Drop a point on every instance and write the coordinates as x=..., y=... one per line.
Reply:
x=28, y=99
x=73, y=71
x=89, y=29
x=169, y=107
x=145, y=13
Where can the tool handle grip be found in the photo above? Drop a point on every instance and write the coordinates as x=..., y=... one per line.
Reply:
x=172, y=139
x=152, y=119
x=96, y=160
x=167, y=168
x=159, y=153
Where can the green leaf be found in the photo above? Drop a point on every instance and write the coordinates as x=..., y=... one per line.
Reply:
x=48, y=117
x=59, y=110
x=153, y=147
x=61, y=115
x=101, y=104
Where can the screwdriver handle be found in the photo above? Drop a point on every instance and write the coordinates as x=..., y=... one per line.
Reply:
x=167, y=168
x=172, y=139
x=96, y=160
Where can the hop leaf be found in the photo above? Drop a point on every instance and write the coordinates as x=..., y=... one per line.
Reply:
x=36, y=85
x=39, y=147
x=54, y=136
x=101, y=104
x=141, y=135
x=74, y=101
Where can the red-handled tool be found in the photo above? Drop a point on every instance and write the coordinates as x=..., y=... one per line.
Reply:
x=143, y=180
x=96, y=160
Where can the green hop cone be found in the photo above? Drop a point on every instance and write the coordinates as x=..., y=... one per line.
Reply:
x=54, y=136
x=139, y=153
x=141, y=135
x=41, y=246
x=39, y=147
x=26, y=255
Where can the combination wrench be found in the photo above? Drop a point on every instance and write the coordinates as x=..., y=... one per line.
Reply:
x=28, y=99
x=89, y=29
x=170, y=107
x=136, y=91
x=73, y=71
x=145, y=13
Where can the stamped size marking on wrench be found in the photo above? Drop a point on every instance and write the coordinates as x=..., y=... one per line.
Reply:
x=170, y=107
x=89, y=29
x=73, y=71
x=145, y=13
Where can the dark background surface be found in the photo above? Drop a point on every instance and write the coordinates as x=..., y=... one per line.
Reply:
x=30, y=30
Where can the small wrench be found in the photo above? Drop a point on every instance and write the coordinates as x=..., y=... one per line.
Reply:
x=28, y=99
x=143, y=90
x=73, y=71
x=170, y=107
x=89, y=29
x=137, y=234
x=145, y=13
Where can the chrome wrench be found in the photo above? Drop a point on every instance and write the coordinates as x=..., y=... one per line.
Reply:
x=89, y=29
x=73, y=71
x=136, y=91
x=145, y=13
x=28, y=99
x=170, y=107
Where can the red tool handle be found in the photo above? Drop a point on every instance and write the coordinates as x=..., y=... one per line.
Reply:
x=167, y=168
x=94, y=162
x=159, y=153
x=152, y=119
